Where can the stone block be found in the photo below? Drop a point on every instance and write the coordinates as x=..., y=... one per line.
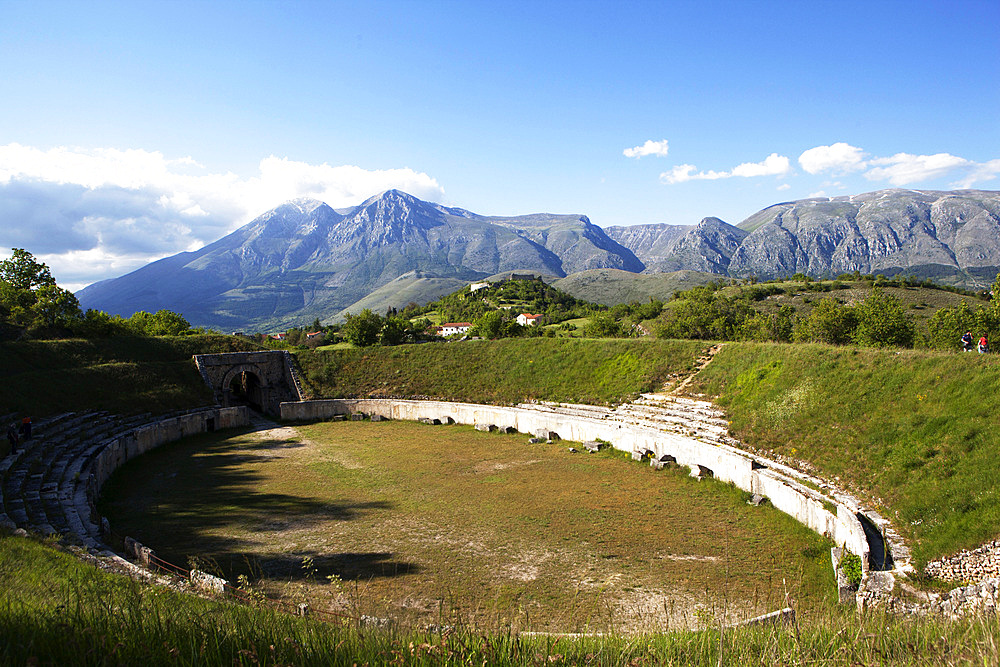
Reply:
x=380, y=418
x=208, y=583
x=358, y=416
x=486, y=428
x=592, y=446
x=546, y=433
x=535, y=441
x=510, y=430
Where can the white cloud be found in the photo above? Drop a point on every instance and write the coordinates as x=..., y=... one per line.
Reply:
x=658, y=148
x=772, y=165
x=814, y=195
x=982, y=171
x=785, y=186
x=97, y=213
x=839, y=158
x=904, y=168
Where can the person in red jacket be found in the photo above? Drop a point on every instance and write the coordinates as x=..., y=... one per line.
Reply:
x=983, y=346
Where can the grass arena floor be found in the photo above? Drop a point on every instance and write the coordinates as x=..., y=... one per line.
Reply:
x=447, y=525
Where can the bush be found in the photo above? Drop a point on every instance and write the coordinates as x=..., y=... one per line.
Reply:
x=883, y=322
x=829, y=322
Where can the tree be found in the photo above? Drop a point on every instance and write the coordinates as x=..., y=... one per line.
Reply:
x=22, y=272
x=490, y=325
x=394, y=330
x=604, y=325
x=29, y=296
x=829, y=322
x=882, y=322
x=363, y=329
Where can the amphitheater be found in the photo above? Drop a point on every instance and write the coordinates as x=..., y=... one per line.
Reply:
x=51, y=485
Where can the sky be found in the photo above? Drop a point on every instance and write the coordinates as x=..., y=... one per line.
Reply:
x=131, y=131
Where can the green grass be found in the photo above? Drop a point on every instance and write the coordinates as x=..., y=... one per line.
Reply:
x=123, y=375
x=55, y=609
x=503, y=372
x=915, y=431
x=420, y=521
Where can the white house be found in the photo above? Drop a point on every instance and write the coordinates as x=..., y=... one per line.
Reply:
x=478, y=286
x=452, y=328
x=528, y=320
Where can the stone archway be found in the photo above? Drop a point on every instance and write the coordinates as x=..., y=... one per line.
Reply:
x=243, y=384
x=261, y=379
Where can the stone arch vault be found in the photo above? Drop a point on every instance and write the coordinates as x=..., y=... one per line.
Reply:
x=272, y=369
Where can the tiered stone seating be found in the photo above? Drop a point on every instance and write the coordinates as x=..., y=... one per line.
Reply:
x=48, y=486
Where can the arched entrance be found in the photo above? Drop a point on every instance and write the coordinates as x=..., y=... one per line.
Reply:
x=245, y=388
x=261, y=380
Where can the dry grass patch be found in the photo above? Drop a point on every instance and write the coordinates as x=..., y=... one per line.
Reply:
x=446, y=524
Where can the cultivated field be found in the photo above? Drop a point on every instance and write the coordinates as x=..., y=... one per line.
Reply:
x=447, y=525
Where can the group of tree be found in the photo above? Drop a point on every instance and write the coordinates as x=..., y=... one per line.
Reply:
x=533, y=295
x=32, y=304
x=369, y=328
x=879, y=320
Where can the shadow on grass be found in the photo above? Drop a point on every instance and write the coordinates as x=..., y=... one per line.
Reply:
x=194, y=498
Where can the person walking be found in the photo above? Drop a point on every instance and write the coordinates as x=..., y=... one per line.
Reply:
x=12, y=438
x=983, y=346
x=967, y=341
x=26, y=428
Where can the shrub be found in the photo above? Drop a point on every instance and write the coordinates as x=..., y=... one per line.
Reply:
x=829, y=322
x=883, y=322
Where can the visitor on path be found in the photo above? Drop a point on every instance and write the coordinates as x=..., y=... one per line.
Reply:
x=12, y=438
x=967, y=341
x=26, y=428
x=983, y=346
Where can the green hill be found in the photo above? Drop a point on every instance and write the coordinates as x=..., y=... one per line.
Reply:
x=611, y=287
x=122, y=375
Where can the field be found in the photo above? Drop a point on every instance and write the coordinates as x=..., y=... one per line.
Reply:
x=445, y=524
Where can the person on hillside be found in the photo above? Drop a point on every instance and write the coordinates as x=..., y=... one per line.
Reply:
x=12, y=438
x=26, y=428
x=983, y=346
x=967, y=341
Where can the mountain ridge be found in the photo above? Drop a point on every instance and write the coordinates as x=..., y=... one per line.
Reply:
x=304, y=259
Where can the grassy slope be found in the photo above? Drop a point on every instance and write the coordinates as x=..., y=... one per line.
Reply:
x=916, y=430
x=504, y=371
x=47, y=377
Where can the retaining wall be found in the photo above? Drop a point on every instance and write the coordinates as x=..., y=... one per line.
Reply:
x=728, y=464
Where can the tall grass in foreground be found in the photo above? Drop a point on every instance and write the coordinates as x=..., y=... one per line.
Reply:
x=55, y=609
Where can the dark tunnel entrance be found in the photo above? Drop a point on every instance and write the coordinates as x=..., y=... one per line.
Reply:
x=245, y=389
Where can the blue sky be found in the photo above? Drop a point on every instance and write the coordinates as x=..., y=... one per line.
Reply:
x=131, y=131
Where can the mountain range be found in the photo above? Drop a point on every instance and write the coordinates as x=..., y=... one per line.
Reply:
x=306, y=260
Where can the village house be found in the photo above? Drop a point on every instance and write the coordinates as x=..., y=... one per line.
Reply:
x=528, y=320
x=314, y=334
x=452, y=328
